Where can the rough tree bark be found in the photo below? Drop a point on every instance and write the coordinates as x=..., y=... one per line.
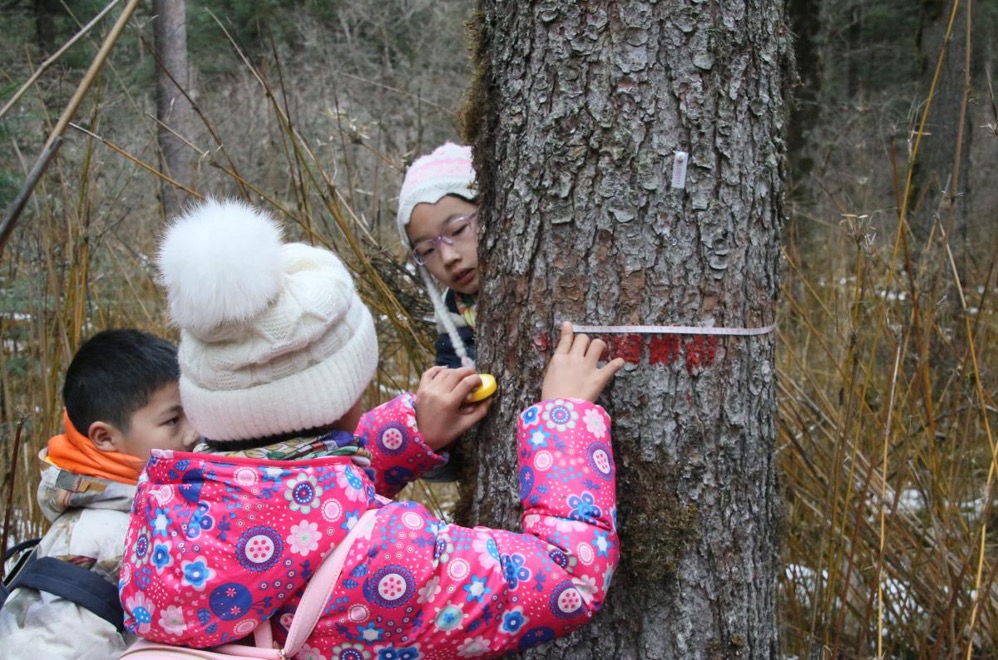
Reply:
x=576, y=114
x=174, y=111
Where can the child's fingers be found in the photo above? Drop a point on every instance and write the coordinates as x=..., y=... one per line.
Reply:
x=429, y=375
x=580, y=345
x=596, y=351
x=608, y=371
x=476, y=411
x=449, y=378
x=565, y=341
x=612, y=367
x=433, y=371
x=480, y=411
x=467, y=385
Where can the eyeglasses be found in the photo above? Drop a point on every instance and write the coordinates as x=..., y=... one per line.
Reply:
x=458, y=230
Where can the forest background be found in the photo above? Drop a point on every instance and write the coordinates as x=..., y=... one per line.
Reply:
x=314, y=109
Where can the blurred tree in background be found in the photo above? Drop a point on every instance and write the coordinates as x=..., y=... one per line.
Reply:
x=174, y=110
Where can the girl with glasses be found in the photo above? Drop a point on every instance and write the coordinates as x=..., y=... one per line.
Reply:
x=438, y=223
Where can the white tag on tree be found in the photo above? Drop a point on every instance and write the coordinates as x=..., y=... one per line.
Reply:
x=679, y=164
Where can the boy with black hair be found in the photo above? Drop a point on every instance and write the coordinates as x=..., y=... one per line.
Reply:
x=122, y=399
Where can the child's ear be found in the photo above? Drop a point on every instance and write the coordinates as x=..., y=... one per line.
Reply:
x=104, y=436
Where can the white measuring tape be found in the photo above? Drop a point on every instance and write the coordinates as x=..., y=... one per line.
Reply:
x=672, y=330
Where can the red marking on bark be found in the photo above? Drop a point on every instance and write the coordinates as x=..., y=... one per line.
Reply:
x=700, y=353
x=663, y=349
x=625, y=346
x=542, y=342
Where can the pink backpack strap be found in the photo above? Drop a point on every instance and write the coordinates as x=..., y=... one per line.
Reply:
x=321, y=586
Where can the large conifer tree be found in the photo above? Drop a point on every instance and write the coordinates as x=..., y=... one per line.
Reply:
x=578, y=113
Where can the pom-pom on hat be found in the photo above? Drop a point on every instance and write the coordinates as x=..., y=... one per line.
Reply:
x=448, y=170
x=273, y=336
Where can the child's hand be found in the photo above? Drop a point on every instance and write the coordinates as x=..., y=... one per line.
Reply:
x=443, y=411
x=573, y=371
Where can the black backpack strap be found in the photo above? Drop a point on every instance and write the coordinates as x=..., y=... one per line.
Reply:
x=16, y=550
x=23, y=552
x=74, y=583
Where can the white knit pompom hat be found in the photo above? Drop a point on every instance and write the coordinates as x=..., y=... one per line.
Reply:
x=447, y=171
x=273, y=337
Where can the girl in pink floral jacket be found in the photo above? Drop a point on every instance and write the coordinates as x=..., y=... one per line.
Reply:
x=222, y=541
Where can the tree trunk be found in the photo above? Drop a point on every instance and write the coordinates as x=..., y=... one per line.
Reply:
x=173, y=109
x=45, y=11
x=805, y=17
x=577, y=111
x=942, y=166
x=854, y=39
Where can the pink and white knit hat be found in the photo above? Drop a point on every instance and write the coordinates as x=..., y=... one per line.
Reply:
x=446, y=171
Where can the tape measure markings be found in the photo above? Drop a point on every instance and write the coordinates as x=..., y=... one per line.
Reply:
x=672, y=330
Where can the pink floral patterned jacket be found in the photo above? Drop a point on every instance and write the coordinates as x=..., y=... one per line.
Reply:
x=219, y=545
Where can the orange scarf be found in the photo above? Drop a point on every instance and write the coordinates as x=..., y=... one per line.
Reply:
x=75, y=452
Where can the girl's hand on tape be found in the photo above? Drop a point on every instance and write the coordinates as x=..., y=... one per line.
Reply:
x=443, y=411
x=574, y=370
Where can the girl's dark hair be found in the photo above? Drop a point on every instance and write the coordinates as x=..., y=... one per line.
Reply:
x=115, y=373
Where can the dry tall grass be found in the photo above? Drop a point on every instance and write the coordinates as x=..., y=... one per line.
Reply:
x=887, y=417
